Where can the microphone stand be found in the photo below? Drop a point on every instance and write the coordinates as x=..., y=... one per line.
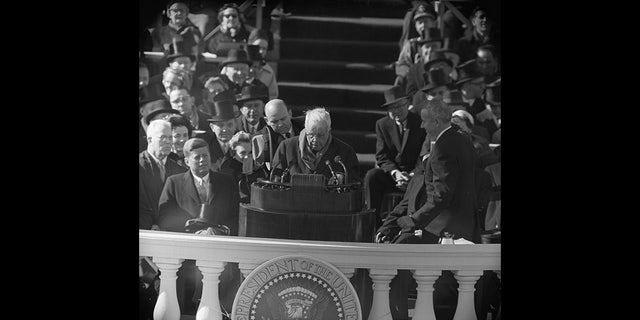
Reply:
x=333, y=174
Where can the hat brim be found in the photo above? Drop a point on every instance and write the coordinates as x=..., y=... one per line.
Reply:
x=465, y=80
x=264, y=99
x=431, y=85
x=394, y=101
x=247, y=62
x=225, y=118
x=432, y=62
x=156, y=112
x=422, y=15
x=421, y=42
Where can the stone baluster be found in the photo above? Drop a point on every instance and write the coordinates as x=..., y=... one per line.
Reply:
x=465, y=310
x=246, y=268
x=209, y=308
x=167, y=307
x=424, y=303
x=381, y=278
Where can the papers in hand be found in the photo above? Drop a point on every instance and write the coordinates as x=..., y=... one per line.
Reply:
x=462, y=241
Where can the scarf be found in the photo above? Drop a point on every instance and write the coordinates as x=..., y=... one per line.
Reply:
x=308, y=157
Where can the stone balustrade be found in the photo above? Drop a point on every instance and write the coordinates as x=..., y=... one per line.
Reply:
x=211, y=253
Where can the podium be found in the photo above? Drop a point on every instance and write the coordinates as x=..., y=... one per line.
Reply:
x=307, y=209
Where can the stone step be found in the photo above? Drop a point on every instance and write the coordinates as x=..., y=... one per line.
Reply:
x=342, y=8
x=339, y=50
x=343, y=28
x=331, y=71
x=369, y=97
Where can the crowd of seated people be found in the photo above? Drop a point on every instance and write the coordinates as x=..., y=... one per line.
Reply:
x=212, y=126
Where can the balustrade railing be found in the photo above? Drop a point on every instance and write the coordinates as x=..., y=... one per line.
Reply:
x=211, y=253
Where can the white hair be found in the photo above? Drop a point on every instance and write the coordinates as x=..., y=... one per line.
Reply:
x=317, y=117
x=158, y=125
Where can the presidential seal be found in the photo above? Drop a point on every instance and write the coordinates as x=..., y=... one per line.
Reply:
x=296, y=287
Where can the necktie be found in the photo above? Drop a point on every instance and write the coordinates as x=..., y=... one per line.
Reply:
x=162, y=170
x=400, y=128
x=287, y=135
x=202, y=191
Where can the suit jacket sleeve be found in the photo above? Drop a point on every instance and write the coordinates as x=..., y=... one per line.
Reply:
x=440, y=192
x=229, y=200
x=353, y=166
x=171, y=216
x=145, y=210
x=279, y=161
x=390, y=226
x=384, y=156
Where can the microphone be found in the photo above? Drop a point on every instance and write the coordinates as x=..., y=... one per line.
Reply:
x=333, y=174
x=286, y=171
x=338, y=159
x=273, y=170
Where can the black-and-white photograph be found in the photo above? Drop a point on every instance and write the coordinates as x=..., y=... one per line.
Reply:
x=319, y=160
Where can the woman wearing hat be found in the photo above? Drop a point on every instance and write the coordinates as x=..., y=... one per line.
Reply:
x=179, y=27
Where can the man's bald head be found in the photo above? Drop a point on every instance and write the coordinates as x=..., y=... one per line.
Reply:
x=277, y=115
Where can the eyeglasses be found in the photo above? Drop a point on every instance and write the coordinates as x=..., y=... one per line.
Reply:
x=230, y=15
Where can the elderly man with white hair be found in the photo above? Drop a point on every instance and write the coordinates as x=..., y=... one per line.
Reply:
x=316, y=151
x=153, y=169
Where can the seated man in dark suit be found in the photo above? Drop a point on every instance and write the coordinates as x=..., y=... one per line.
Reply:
x=183, y=198
x=154, y=167
x=314, y=151
x=398, y=141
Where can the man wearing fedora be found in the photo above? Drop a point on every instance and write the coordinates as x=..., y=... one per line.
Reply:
x=182, y=101
x=152, y=108
x=209, y=200
x=154, y=167
x=471, y=84
x=398, y=142
x=252, y=99
x=414, y=80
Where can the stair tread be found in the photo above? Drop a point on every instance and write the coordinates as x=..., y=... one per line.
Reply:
x=372, y=21
x=341, y=86
x=334, y=63
x=393, y=44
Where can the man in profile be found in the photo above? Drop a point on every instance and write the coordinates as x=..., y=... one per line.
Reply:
x=444, y=201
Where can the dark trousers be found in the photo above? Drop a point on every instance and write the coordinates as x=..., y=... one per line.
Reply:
x=445, y=294
x=377, y=183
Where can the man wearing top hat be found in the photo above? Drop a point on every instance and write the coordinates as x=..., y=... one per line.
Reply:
x=251, y=100
x=154, y=167
x=180, y=27
x=414, y=79
x=471, y=84
x=437, y=85
x=398, y=142
x=224, y=124
x=209, y=201
x=152, y=108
